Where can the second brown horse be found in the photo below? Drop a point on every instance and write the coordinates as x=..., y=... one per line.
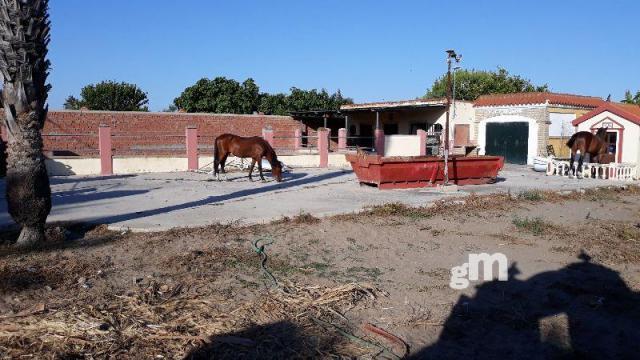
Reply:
x=584, y=142
x=254, y=147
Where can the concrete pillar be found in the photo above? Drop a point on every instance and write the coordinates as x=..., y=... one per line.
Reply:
x=297, y=139
x=379, y=141
x=267, y=134
x=323, y=147
x=342, y=139
x=191, y=135
x=104, y=145
x=423, y=142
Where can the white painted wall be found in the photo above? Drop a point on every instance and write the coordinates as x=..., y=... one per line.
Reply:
x=532, y=142
x=464, y=114
x=401, y=145
x=561, y=124
x=631, y=141
x=134, y=165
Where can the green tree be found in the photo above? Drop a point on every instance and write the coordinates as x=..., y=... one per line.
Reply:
x=273, y=104
x=470, y=84
x=629, y=98
x=110, y=96
x=24, y=69
x=220, y=95
x=72, y=103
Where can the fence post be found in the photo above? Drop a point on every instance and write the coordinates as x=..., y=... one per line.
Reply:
x=104, y=145
x=323, y=147
x=379, y=142
x=297, y=134
x=4, y=133
x=423, y=142
x=267, y=134
x=342, y=139
x=191, y=135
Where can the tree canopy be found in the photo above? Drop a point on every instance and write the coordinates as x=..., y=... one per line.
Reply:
x=629, y=98
x=470, y=84
x=222, y=95
x=111, y=96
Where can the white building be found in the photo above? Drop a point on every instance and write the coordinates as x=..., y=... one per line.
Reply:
x=623, y=129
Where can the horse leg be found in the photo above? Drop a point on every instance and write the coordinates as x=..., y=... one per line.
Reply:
x=253, y=163
x=573, y=156
x=216, y=163
x=260, y=170
x=223, y=161
x=580, y=160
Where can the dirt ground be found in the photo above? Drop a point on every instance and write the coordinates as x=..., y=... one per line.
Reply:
x=573, y=288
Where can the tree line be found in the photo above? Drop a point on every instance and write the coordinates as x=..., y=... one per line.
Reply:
x=218, y=95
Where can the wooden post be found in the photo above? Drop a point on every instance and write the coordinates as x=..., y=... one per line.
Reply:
x=104, y=145
x=379, y=141
x=323, y=147
x=297, y=135
x=191, y=135
x=342, y=139
x=267, y=134
x=423, y=142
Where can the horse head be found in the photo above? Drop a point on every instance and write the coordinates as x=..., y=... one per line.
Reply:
x=601, y=132
x=276, y=170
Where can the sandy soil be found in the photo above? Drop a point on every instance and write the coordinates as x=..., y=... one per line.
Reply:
x=573, y=290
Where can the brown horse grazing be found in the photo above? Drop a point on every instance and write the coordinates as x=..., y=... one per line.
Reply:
x=255, y=148
x=586, y=142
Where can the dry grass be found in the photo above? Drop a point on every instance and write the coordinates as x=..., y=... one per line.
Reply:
x=301, y=219
x=177, y=321
x=474, y=204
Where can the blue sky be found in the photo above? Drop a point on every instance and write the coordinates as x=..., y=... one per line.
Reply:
x=371, y=50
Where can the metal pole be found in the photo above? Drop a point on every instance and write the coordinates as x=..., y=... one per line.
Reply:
x=446, y=124
x=377, y=120
x=454, y=94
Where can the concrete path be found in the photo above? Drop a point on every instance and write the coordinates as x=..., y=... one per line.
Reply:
x=154, y=202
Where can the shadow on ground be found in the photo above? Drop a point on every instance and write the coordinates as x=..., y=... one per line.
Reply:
x=292, y=180
x=279, y=340
x=582, y=311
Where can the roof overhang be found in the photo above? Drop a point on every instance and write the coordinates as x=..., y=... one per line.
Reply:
x=395, y=105
x=608, y=107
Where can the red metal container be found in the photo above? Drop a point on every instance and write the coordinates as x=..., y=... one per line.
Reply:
x=401, y=172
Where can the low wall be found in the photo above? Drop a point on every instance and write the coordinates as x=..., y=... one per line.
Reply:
x=74, y=133
x=65, y=166
x=402, y=145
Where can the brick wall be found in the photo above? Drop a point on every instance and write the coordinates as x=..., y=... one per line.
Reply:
x=137, y=133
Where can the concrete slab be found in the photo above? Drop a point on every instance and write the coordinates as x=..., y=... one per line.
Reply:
x=155, y=202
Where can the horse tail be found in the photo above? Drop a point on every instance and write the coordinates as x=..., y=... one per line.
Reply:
x=216, y=154
x=572, y=140
x=216, y=151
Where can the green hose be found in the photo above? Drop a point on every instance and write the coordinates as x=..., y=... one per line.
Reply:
x=259, y=249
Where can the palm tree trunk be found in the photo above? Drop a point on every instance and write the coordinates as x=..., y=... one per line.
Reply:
x=24, y=36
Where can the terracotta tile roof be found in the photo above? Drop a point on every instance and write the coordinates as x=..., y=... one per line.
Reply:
x=539, y=98
x=630, y=112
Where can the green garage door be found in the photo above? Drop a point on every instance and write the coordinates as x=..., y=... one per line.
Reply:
x=510, y=140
